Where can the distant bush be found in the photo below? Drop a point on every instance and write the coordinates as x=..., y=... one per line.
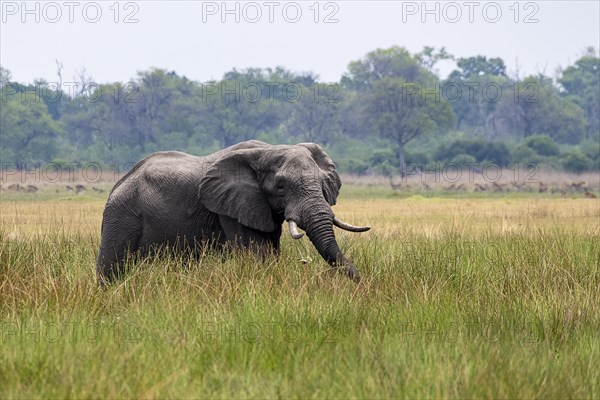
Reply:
x=525, y=155
x=578, y=162
x=355, y=167
x=464, y=159
x=479, y=149
x=416, y=157
x=543, y=145
x=447, y=152
x=591, y=148
x=498, y=153
x=383, y=156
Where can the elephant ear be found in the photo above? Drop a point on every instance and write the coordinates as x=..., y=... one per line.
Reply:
x=331, y=180
x=230, y=187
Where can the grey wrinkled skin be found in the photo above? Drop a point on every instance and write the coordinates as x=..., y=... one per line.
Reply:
x=237, y=197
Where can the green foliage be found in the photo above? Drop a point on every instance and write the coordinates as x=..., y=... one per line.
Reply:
x=417, y=157
x=388, y=99
x=465, y=159
x=542, y=145
x=393, y=103
x=538, y=150
x=525, y=155
x=244, y=106
x=472, y=67
x=356, y=167
x=547, y=113
x=581, y=83
x=381, y=156
x=383, y=161
x=475, y=100
x=428, y=57
x=591, y=148
x=29, y=134
x=394, y=62
x=578, y=162
x=478, y=149
x=315, y=117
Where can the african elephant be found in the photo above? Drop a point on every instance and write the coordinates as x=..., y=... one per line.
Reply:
x=236, y=197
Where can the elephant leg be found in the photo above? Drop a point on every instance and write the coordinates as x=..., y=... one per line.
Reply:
x=120, y=237
x=260, y=243
x=274, y=240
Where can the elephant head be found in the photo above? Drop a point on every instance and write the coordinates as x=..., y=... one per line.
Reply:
x=264, y=185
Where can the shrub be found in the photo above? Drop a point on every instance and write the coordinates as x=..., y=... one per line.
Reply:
x=495, y=152
x=464, y=159
x=543, y=145
x=416, y=158
x=356, y=167
x=447, y=152
x=577, y=162
x=591, y=149
x=382, y=156
x=523, y=154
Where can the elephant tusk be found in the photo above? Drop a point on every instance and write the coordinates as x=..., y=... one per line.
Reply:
x=294, y=230
x=346, y=226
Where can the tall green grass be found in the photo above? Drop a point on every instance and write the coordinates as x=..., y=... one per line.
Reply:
x=445, y=312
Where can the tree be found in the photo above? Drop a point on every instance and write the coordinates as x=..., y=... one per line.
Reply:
x=476, y=88
x=316, y=116
x=397, y=96
x=156, y=103
x=29, y=134
x=547, y=113
x=581, y=84
x=478, y=66
x=252, y=102
x=577, y=162
x=5, y=76
x=401, y=117
x=99, y=123
x=395, y=62
x=125, y=121
x=428, y=57
x=543, y=145
x=476, y=150
x=150, y=105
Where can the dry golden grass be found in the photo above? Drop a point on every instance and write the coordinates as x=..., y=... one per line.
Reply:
x=432, y=217
x=435, y=217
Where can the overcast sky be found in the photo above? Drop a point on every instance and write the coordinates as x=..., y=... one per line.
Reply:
x=201, y=41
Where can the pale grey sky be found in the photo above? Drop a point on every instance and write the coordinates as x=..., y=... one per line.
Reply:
x=191, y=38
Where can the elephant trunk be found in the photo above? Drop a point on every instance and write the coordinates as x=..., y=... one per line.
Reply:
x=318, y=225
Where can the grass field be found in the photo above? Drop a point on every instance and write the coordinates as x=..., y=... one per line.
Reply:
x=471, y=297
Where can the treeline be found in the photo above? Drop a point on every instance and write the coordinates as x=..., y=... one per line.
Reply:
x=389, y=109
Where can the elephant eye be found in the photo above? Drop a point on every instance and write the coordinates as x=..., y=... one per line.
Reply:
x=280, y=183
